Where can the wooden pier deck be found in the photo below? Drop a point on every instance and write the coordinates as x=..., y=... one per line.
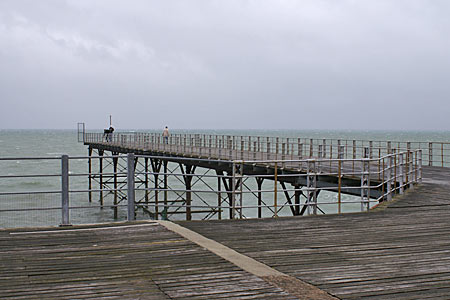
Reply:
x=145, y=261
x=400, y=251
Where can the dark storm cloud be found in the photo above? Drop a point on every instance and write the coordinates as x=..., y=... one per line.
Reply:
x=225, y=64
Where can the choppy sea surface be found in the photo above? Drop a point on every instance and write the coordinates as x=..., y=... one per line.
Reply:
x=48, y=144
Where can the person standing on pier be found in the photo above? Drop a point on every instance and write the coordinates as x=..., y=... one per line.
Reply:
x=110, y=134
x=107, y=134
x=165, y=135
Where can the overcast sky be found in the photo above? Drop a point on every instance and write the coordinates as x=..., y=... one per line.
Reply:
x=304, y=64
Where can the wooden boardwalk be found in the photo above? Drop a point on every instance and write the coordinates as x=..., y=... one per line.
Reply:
x=398, y=252
x=145, y=261
x=401, y=251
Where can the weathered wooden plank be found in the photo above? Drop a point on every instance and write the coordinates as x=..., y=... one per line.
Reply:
x=119, y=263
x=401, y=252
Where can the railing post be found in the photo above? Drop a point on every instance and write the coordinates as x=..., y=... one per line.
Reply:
x=340, y=171
x=233, y=192
x=341, y=152
x=65, y=190
x=319, y=161
x=268, y=149
x=300, y=149
x=223, y=141
x=287, y=146
x=389, y=178
x=408, y=146
x=338, y=146
x=209, y=146
x=275, y=191
x=311, y=196
x=365, y=180
x=401, y=174
x=411, y=169
x=130, y=187
x=419, y=174
x=311, y=148
x=416, y=166
x=276, y=147
x=230, y=148
x=430, y=154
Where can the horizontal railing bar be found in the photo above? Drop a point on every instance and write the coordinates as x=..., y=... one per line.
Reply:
x=29, y=193
x=31, y=158
x=30, y=176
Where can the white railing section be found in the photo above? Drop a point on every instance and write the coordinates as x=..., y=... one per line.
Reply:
x=259, y=147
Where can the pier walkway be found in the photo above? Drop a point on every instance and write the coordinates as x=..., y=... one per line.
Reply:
x=370, y=171
x=399, y=251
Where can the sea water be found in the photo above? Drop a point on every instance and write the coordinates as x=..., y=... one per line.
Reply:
x=48, y=144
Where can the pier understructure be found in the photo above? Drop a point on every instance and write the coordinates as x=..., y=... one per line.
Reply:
x=195, y=176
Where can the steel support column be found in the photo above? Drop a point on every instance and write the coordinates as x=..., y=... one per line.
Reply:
x=100, y=153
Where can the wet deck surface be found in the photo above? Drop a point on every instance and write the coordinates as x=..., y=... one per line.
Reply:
x=138, y=262
x=401, y=252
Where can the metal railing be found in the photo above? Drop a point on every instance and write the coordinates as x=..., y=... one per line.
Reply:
x=129, y=190
x=259, y=147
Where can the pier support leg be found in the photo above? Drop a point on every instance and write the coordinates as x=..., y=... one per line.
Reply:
x=288, y=197
x=219, y=196
x=156, y=166
x=230, y=196
x=115, y=162
x=311, y=186
x=228, y=187
x=100, y=153
x=90, y=173
x=146, y=182
x=259, y=182
x=236, y=203
x=187, y=176
x=297, y=194
x=131, y=164
x=164, y=213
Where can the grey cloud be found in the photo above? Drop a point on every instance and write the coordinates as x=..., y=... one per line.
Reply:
x=225, y=64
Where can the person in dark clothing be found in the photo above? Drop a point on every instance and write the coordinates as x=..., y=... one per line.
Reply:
x=108, y=133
